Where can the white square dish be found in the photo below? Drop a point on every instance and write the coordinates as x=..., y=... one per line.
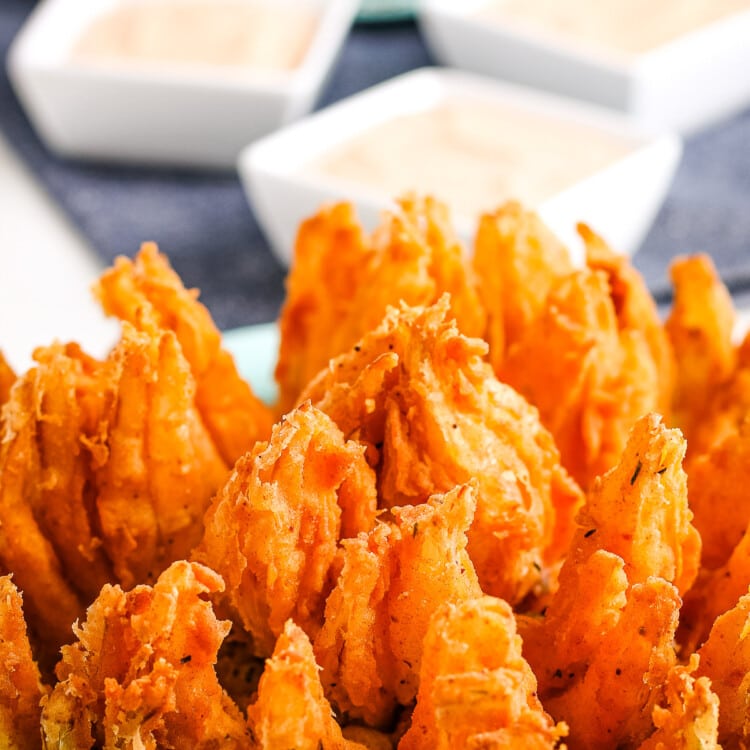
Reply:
x=619, y=200
x=681, y=83
x=146, y=112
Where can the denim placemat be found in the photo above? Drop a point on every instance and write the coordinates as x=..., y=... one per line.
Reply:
x=203, y=223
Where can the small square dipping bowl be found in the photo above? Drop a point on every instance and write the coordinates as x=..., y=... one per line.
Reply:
x=684, y=84
x=170, y=114
x=619, y=201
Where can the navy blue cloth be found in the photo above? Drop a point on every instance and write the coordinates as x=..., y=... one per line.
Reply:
x=202, y=221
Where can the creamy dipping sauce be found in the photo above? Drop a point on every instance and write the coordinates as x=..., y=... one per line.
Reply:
x=222, y=33
x=629, y=26
x=473, y=155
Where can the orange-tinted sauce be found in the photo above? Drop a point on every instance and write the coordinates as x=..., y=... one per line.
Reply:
x=224, y=33
x=473, y=155
x=629, y=26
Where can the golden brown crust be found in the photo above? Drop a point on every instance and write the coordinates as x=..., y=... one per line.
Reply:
x=52, y=603
x=162, y=468
x=7, y=378
x=21, y=687
x=273, y=529
x=700, y=327
x=725, y=660
x=421, y=396
x=149, y=295
x=141, y=674
x=291, y=710
x=341, y=283
x=391, y=581
x=635, y=310
x=476, y=689
x=589, y=379
x=690, y=716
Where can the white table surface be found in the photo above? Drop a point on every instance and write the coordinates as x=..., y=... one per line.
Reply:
x=46, y=270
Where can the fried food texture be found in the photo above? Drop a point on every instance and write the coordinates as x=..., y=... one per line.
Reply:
x=635, y=310
x=639, y=510
x=517, y=260
x=725, y=659
x=609, y=699
x=273, y=530
x=149, y=295
x=342, y=282
x=690, y=718
x=589, y=378
x=476, y=689
x=605, y=646
x=391, y=582
x=291, y=710
x=700, y=327
x=48, y=532
x=106, y=471
x=469, y=529
x=163, y=468
x=719, y=429
x=425, y=401
x=635, y=525
x=21, y=687
x=141, y=673
x=718, y=496
x=715, y=592
x=7, y=378
x=330, y=257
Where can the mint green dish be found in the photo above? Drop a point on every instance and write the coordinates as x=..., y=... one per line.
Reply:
x=381, y=11
x=255, y=349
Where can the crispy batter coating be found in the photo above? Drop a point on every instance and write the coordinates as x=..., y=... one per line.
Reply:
x=517, y=260
x=52, y=603
x=476, y=689
x=49, y=528
x=163, y=467
x=725, y=659
x=589, y=379
x=718, y=496
x=639, y=510
x=7, y=378
x=607, y=637
x=722, y=420
x=72, y=393
x=273, y=530
x=587, y=606
x=690, y=720
x=635, y=525
x=700, y=327
x=715, y=592
x=635, y=309
x=391, y=582
x=21, y=686
x=148, y=294
x=141, y=674
x=421, y=395
x=448, y=266
x=291, y=710
x=330, y=259
x=342, y=283
x=608, y=700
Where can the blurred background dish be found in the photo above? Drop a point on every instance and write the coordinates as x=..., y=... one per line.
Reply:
x=472, y=142
x=175, y=82
x=673, y=63
x=201, y=220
